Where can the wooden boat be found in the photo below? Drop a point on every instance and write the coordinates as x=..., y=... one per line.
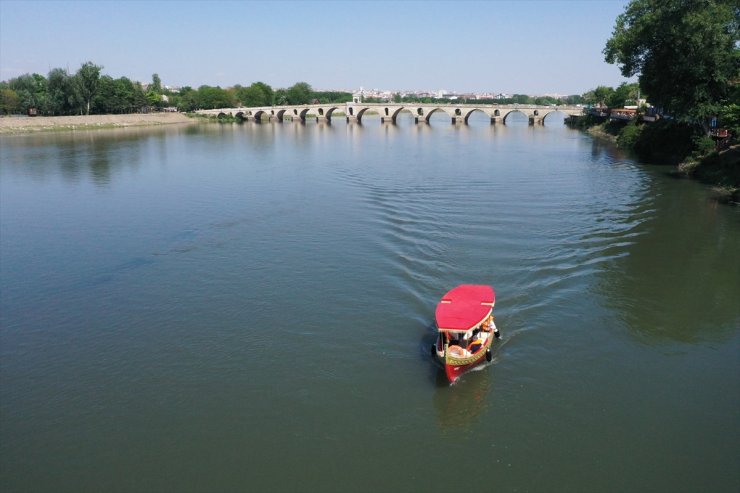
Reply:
x=465, y=329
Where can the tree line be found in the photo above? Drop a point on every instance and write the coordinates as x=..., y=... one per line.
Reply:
x=514, y=99
x=87, y=92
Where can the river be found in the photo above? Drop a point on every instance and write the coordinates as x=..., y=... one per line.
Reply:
x=249, y=307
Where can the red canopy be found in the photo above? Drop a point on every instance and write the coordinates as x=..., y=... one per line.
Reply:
x=464, y=307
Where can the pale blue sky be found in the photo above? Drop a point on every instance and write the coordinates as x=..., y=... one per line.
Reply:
x=530, y=47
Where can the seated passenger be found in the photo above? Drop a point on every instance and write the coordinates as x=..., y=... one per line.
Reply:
x=476, y=344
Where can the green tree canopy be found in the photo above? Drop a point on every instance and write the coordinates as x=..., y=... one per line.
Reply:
x=31, y=90
x=87, y=80
x=119, y=96
x=602, y=95
x=62, y=97
x=208, y=97
x=625, y=94
x=299, y=93
x=9, y=101
x=258, y=94
x=156, y=84
x=684, y=51
x=281, y=96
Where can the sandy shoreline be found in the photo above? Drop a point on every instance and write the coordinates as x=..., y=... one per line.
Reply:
x=24, y=124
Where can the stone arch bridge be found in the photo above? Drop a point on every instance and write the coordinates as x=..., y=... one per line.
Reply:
x=354, y=112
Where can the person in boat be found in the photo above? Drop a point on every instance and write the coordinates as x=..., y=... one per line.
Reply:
x=475, y=344
x=489, y=326
x=465, y=340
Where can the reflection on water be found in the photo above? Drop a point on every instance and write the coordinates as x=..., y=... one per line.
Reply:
x=462, y=405
x=96, y=153
x=680, y=278
x=213, y=306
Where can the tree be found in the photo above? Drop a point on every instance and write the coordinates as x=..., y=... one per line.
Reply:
x=9, y=101
x=599, y=96
x=685, y=52
x=521, y=99
x=187, y=101
x=119, y=96
x=281, y=97
x=87, y=81
x=154, y=99
x=208, y=97
x=299, y=93
x=624, y=94
x=156, y=84
x=258, y=94
x=31, y=91
x=61, y=92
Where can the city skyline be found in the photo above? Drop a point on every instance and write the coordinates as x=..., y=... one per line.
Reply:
x=533, y=47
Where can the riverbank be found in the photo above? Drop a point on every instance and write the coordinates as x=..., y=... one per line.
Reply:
x=691, y=154
x=600, y=132
x=719, y=169
x=24, y=124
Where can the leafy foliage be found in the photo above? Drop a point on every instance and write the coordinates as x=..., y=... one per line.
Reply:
x=9, y=102
x=685, y=52
x=87, y=80
x=629, y=135
x=257, y=94
x=666, y=141
x=119, y=96
x=62, y=95
x=299, y=93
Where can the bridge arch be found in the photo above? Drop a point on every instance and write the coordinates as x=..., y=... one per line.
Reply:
x=396, y=112
x=329, y=112
x=544, y=117
x=509, y=113
x=469, y=113
x=361, y=113
x=438, y=110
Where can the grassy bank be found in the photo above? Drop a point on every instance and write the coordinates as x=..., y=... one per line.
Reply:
x=719, y=169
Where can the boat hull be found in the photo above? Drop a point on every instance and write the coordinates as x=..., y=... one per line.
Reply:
x=455, y=366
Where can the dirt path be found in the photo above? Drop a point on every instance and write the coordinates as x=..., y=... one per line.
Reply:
x=24, y=124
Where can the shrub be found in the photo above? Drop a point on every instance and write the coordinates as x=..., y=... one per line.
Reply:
x=628, y=135
x=703, y=146
x=665, y=141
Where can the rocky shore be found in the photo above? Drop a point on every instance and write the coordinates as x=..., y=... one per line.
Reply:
x=25, y=124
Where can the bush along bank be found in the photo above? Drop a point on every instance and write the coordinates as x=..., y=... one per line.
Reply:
x=684, y=146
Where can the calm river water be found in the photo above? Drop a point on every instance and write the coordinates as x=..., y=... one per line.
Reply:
x=250, y=307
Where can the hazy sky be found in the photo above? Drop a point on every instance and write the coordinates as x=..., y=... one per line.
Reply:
x=529, y=47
